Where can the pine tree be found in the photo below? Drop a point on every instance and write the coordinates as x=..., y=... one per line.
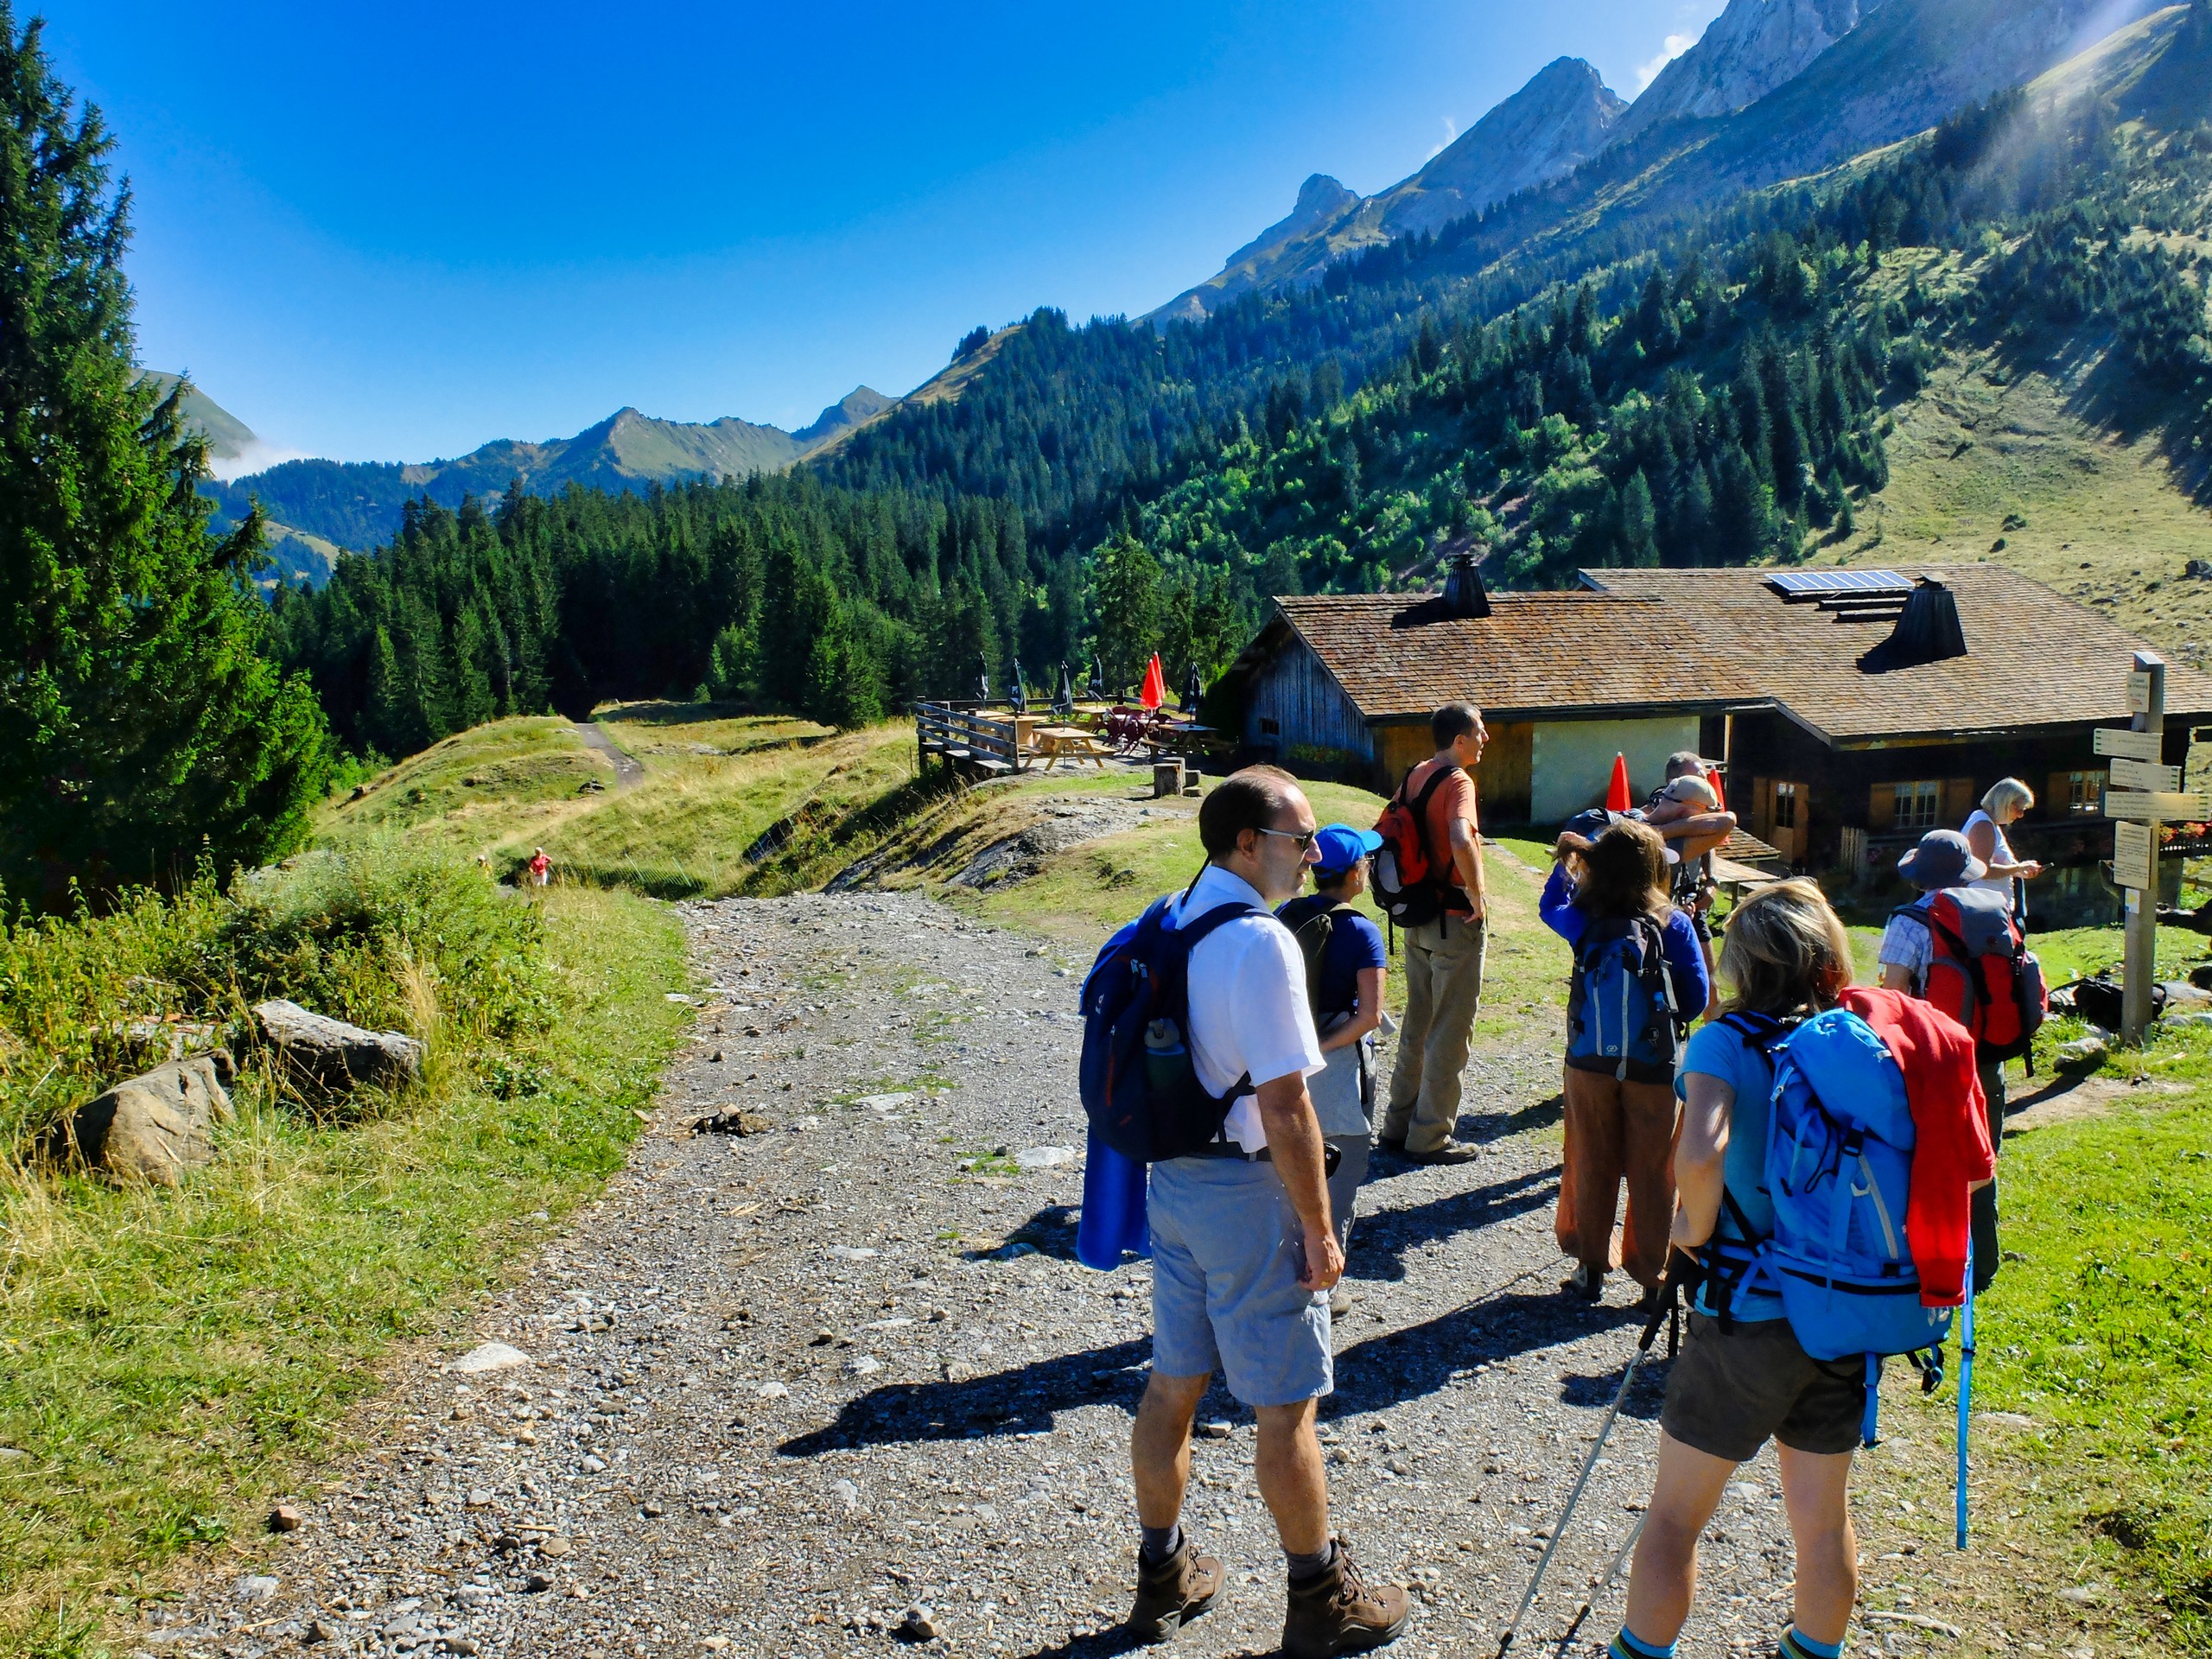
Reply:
x=140, y=721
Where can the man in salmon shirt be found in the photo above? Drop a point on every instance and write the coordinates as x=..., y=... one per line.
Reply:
x=1444, y=958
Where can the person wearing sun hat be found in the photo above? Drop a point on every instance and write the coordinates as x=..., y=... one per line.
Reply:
x=1344, y=961
x=1944, y=858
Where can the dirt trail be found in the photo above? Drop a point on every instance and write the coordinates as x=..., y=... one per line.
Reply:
x=782, y=1386
x=629, y=770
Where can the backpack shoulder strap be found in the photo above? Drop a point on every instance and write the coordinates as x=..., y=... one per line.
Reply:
x=1193, y=933
x=1758, y=1030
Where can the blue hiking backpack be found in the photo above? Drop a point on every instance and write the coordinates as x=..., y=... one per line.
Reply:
x=1622, y=1013
x=1838, y=1171
x=1140, y=1090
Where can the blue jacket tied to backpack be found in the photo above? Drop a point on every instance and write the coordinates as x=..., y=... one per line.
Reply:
x=1838, y=1171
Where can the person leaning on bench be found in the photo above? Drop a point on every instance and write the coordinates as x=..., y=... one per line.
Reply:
x=1243, y=1250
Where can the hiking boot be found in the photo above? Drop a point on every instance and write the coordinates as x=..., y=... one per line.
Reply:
x=1173, y=1592
x=1394, y=1145
x=1451, y=1151
x=1335, y=1611
x=1586, y=1283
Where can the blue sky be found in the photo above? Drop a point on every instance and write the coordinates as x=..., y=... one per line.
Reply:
x=395, y=232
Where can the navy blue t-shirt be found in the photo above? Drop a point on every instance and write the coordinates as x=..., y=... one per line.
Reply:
x=1354, y=942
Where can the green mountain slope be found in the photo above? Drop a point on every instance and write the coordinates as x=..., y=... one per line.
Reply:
x=229, y=439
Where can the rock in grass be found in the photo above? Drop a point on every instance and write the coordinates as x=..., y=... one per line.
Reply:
x=156, y=1126
x=2083, y=1051
x=334, y=1056
x=285, y=1518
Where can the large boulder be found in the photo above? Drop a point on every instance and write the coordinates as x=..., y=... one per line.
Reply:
x=156, y=1126
x=332, y=1055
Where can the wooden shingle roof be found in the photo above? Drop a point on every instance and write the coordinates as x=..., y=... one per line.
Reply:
x=1680, y=641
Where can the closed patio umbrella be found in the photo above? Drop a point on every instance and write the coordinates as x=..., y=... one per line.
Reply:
x=1019, y=697
x=1064, y=700
x=1192, y=690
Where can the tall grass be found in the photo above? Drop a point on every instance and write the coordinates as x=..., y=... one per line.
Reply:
x=167, y=1357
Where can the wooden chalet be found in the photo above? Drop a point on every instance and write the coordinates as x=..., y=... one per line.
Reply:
x=1852, y=709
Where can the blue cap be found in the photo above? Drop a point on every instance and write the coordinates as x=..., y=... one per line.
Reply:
x=1341, y=847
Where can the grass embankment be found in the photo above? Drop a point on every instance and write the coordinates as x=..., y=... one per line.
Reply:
x=714, y=785
x=169, y=1359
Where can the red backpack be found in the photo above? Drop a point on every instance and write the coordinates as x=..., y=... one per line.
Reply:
x=1408, y=882
x=1981, y=972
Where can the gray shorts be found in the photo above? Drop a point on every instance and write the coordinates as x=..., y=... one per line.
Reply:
x=1730, y=1389
x=1224, y=1283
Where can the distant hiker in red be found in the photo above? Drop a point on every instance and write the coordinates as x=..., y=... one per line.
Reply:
x=541, y=868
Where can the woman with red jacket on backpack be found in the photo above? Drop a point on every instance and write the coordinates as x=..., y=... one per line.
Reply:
x=1620, y=1110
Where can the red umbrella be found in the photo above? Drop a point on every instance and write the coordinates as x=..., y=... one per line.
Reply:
x=1618, y=798
x=1714, y=777
x=1155, y=684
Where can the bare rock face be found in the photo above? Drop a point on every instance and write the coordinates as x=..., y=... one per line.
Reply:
x=334, y=1056
x=155, y=1127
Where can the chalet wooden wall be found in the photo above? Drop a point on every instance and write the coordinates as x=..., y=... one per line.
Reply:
x=1298, y=711
x=1501, y=781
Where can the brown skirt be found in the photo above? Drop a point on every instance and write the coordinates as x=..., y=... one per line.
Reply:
x=1616, y=1131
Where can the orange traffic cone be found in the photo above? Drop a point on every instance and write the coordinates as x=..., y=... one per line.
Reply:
x=1618, y=798
x=1155, y=684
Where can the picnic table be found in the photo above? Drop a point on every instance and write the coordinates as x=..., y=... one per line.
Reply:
x=1070, y=743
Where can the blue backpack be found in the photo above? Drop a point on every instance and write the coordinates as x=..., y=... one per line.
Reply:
x=1140, y=1090
x=1622, y=1013
x=1838, y=1171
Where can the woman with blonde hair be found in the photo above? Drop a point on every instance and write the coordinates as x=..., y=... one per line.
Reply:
x=2007, y=800
x=1639, y=979
x=1785, y=958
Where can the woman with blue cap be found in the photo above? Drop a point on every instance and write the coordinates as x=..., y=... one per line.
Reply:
x=1343, y=983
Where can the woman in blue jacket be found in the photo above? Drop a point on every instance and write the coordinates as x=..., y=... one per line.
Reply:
x=1639, y=979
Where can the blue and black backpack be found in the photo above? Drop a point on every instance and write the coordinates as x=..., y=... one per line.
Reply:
x=1838, y=1171
x=1622, y=1013
x=1140, y=1090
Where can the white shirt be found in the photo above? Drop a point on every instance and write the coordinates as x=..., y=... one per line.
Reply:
x=1248, y=1012
x=1993, y=883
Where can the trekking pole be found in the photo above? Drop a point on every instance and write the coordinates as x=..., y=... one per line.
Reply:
x=1559, y=1528
x=1965, y=1394
x=1598, y=1584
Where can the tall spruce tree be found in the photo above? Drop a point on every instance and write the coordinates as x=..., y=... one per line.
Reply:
x=139, y=720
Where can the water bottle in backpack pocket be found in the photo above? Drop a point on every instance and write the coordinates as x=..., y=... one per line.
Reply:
x=1623, y=1015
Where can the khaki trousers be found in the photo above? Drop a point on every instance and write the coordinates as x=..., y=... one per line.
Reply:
x=1616, y=1131
x=1444, y=990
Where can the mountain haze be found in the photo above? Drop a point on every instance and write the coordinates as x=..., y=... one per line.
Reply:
x=358, y=504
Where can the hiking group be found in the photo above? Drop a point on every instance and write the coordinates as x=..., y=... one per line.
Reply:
x=1805, y=1174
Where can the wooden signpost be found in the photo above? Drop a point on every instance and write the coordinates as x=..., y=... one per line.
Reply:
x=2153, y=797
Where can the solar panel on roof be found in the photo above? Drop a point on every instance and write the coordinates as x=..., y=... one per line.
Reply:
x=1804, y=584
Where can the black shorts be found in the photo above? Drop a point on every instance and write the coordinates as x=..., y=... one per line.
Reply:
x=1731, y=1390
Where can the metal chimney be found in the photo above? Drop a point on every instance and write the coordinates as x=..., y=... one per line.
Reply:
x=1928, y=631
x=1464, y=592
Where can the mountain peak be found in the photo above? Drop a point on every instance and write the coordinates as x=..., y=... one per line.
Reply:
x=856, y=408
x=1751, y=48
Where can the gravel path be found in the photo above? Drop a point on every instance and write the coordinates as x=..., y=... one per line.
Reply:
x=784, y=1385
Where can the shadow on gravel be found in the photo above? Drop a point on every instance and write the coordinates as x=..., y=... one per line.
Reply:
x=1387, y=1370
x=1022, y=1401
x=1379, y=1242
x=1643, y=1399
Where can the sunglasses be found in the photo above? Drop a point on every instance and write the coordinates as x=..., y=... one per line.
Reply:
x=1305, y=839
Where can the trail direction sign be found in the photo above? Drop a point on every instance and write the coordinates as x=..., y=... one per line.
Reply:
x=2131, y=855
x=2149, y=808
x=2135, y=746
x=2138, y=692
x=2145, y=774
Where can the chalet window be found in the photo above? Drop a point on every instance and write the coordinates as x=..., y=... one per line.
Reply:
x=1919, y=804
x=2085, y=792
x=1785, y=806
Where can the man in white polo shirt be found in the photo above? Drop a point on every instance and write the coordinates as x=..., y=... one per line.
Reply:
x=1243, y=1251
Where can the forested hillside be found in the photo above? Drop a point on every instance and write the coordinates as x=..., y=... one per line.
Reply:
x=1718, y=388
